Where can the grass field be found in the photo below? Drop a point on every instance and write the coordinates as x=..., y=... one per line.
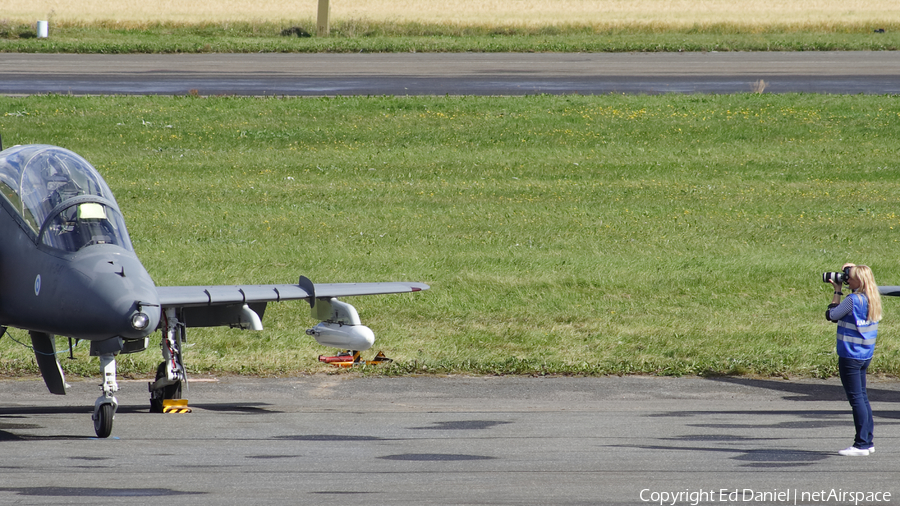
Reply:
x=582, y=235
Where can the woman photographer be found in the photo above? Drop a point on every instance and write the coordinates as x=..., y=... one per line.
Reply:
x=857, y=318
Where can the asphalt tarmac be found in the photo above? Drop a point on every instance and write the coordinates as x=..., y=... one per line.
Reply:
x=343, y=439
x=869, y=72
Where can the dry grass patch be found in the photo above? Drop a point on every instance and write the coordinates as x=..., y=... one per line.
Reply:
x=606, y=13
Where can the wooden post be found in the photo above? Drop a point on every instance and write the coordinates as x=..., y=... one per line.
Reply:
x=322, y=23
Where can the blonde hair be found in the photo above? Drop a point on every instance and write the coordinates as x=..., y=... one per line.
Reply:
x=867, y=286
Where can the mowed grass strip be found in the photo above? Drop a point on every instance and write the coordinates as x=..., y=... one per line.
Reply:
x=356, y=35
x=577, y=235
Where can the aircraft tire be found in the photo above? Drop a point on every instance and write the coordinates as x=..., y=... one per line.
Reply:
x=168, y=392
x=104, y=422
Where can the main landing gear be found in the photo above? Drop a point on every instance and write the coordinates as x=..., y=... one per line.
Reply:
x=170, y=373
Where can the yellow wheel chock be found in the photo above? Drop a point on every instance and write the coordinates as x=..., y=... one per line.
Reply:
x=175, y=406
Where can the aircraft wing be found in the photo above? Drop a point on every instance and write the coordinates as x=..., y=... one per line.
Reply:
x=224, y=295
x=244, y=305
x=889, y=290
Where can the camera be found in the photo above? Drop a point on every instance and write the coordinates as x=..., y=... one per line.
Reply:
x=839, y=277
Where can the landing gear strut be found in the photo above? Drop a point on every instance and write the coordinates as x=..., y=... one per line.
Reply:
x=170, y=373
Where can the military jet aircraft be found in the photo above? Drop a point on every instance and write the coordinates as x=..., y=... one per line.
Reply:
x=67, y=268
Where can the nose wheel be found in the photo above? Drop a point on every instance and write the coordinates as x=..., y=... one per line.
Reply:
x=103, y=420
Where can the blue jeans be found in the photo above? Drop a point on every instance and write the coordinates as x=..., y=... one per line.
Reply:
x=853, y=377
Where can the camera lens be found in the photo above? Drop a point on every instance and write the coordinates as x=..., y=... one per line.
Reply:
x=838, y=277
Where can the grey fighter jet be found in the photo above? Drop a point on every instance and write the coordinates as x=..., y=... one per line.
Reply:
x=67, y=268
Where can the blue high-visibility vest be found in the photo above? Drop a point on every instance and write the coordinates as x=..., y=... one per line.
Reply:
x=855, y=333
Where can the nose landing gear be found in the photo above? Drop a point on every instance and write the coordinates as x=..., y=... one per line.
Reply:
x=107, y=404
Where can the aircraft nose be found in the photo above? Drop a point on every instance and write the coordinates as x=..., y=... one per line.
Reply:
x=123, y=300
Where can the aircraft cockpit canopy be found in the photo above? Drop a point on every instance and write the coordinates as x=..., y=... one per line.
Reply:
x=61, y=198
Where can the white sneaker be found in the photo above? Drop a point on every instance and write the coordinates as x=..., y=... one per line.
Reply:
x=854, y=452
